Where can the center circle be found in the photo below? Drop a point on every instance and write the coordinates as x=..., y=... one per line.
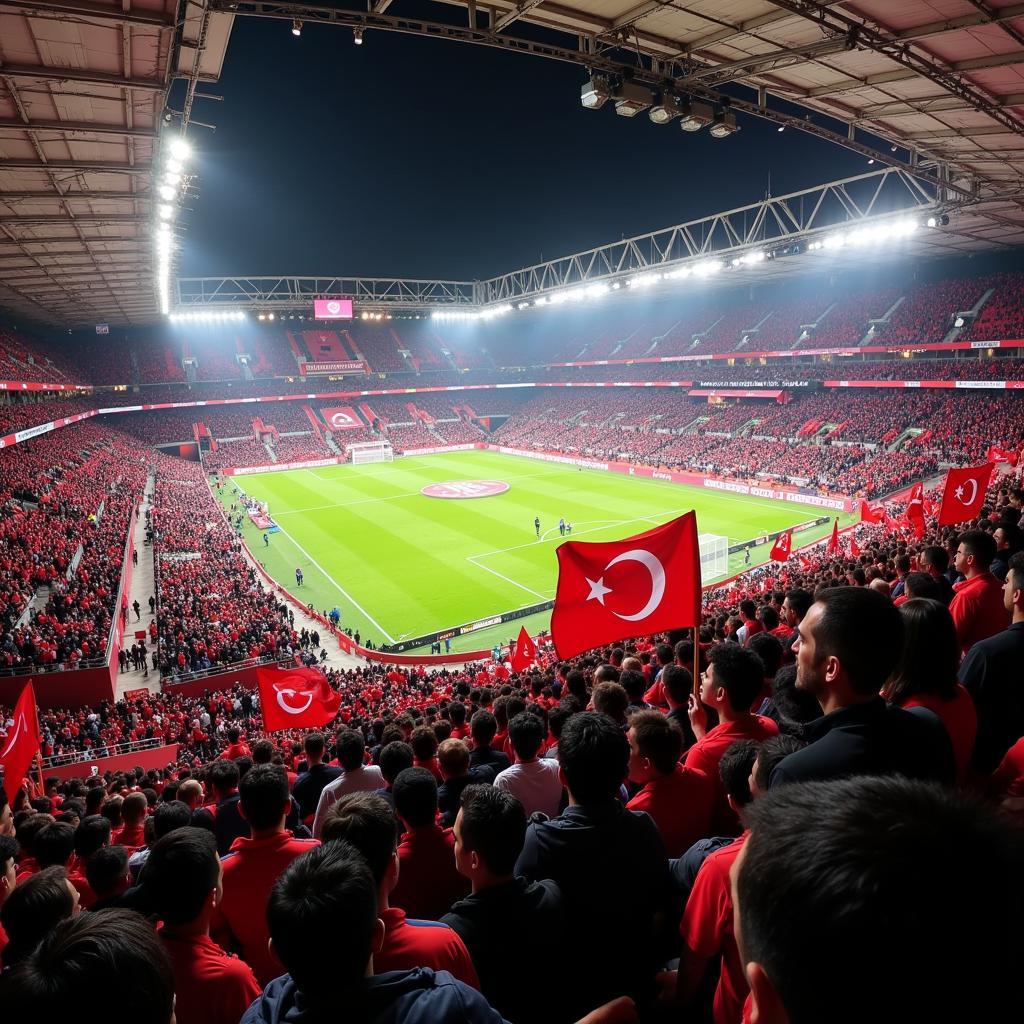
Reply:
x=465, y=489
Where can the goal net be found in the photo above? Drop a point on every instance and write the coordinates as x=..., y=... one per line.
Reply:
x=714, y=556
x=371, y=451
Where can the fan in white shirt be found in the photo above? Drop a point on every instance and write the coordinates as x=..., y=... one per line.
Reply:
x=536, y=783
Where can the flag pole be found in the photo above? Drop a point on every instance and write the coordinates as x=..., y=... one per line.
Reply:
x=39, y=769
x=696, y=659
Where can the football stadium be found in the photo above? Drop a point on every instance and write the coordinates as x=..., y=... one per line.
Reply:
x=511, y=512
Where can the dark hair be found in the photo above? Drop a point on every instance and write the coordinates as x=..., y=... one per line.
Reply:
x=423, y=743
x=457, y=713
x=1015, y=568
x=264, y=795
x=921, y=584
x=170, y=816
x=322, y=914
x=734, y=768
x=54, y=844
x=93, y=832
x=483, y=727
x=180, y=873
x=594, y=755
x=8, y=850
x=658, y=739
x=843, y=852
x=931, y=653
x=32, y=910
x=793, y=708
x=349, y=747
x=105, y=868
x=262, y=753
x=366, y=821
x=935, y=556
x=677, y=681
x=223, y=776
x=233, y=735
x=863, y=630
x=739, y=672
x=634, y=684
x=769, y=649
x=770, y=753
x=559, y=715
x=610, y=699
x=492, y=825
x=394, y=758
x=313, y=745
x=981, y=545
x=415, y=795
x=134, y=807
x=28, y=828
x=800, y=601
x=769, y=616
x=526, y=733
x=664, y=653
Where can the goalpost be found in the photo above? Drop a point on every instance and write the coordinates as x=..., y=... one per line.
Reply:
x=714, y=556
x=371, y=451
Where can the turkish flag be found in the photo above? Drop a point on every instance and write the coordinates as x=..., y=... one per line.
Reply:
x=964, y=493
x=524, y=654
x=914, y=514
x=22, y=741
x=783, y=547
x=833, y=541
x=295, y=698
x=854, y=549
x=614, y=590
x=871, y=513
x=805, y=562
x=997, y=454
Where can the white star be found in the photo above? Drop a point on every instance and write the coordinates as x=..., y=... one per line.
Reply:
x=597, y=590
x=959, y=492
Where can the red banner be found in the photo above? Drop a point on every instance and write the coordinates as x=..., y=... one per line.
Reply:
x=342, y=417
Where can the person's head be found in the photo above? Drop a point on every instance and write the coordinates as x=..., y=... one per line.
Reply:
x=526, y=733
x=748, y=610
x=489, y=833
x=868, y=855
x=734, y=678
x=664, y=653
x=769, y=649
x=415, y=795
x=313, y=746
x=170, y=816
x=796, y=605
x=1007, y=536
x=233, y=735
x=350, y=748
x=182, y=876
x=457, y=713
x=593, y=753
x=482, y=727
x=768, y=616
x=633, y=682
x=6, y=815
x=902, y=565
x=974, y=553
x=1013, y=588
x=190, y=792
x=322, y=916
x=33, y=909
x=611, y=699
x=794, y=708
x=770, y=753
x=930, y=656
x=28, y=828
x=263, y=752
x=655, y=743
x=366, y=822
x=106, y=871
x=677, y=682
x=921, y=584
x=263, y=797
x=54, y=845
x=223, y=777
x=734, y=768
x=933, y=560
x=394, y=758
x=453, y=757
x=847, y=645
x=423, y=743
x=8, y=853
x=133, y=810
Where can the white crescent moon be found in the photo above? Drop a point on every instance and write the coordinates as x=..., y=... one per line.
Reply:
x=13, y=738
x=287, y=707
x=974, y=492
x=657, y=571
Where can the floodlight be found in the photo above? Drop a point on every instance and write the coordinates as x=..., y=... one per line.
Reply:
x=170, y=178
x=167, y=193
x=270, y=316
x=179, y=148
x=595, y=92
x=666, y=109
x=724, y=125
x=631, y=98
x=296, y=27
x=357, y=35
x=958, y=322
x=166, y=211
x=696, y=115
x=175, y=166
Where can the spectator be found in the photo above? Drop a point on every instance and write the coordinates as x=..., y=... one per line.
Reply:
x=355, y=777
x=317, y=776
x=237, y=747
x=108, y=875
x=33, y=910
x=166, y=818
x=489, y=834
x=131, y=834
x=253, y=864
x=483, y=727
x=453, y=757
x=1008, y=540
x=840, y=851
x=680, y=800
x=934, y=561
x=428, y=883
x=859, y=732
x=424, y=750
x=223, y=817
x=367, y=823
x=991, y=672
x=395, y=757
x=8, y=853
x=609, y=862
x=977, y=606
x=534, y=781
x=677, y=686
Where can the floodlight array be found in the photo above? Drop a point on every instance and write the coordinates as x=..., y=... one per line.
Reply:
x=209, y=316
x=168, y=187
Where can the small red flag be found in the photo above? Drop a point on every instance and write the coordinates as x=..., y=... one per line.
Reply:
x=805, y=562
x=782, y=548
x=295, y=698
x=524, y=653
x=964, y=493
x=914, y=515
x=614, y=590
x=871, y=513
x=22, y=741
x=998, y=454
x=833, y=541
x=854, y=549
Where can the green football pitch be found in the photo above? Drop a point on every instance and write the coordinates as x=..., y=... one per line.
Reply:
x=399, y=564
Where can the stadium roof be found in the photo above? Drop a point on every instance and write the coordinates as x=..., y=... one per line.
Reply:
x=83, y=99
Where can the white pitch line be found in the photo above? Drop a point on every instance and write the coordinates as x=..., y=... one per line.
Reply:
x=330, y=579
x=507, y=579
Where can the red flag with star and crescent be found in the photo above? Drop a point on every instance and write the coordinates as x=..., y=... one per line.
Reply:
x=832, y=548
x=782, y=548
x=854, y=547
x=524, y=654
x=964, y=493
x=914, y=515
x=614, y=590
x=998, y=454
x=21, y=743
x=295, y=698
x=871, y=513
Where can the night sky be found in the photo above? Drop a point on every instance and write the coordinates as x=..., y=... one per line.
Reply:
x=409, y=157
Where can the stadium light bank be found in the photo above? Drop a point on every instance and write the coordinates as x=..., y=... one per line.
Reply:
x=170, y=179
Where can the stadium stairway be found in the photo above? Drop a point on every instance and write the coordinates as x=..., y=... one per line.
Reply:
x=141, y=589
